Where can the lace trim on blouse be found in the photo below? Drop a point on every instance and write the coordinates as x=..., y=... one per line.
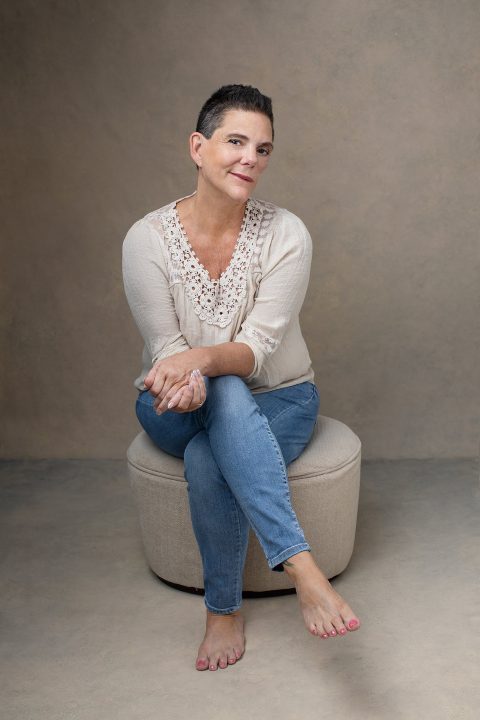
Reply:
x=216, y=301
x=268, y=343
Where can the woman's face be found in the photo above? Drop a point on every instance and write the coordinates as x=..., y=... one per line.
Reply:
x=232, y=160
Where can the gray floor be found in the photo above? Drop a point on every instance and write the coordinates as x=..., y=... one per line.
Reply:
x=88, y=632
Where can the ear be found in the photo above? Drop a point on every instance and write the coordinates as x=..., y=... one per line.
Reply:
x=196, y=145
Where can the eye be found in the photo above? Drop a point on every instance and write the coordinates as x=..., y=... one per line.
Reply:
x=264, y=151
x=234, y=140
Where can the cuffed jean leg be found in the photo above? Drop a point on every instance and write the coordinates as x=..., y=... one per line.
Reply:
x=250, y=459
x=220, y=527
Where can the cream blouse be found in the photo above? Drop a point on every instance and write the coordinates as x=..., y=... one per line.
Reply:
x=256, y=300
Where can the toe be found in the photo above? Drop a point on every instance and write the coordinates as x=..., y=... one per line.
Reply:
x=353, y=623
x=329, y=629
x=322, y=631
x=213, y=664
x=223, y=662
x=231, y=657
x=337, y=623
x=201, y=663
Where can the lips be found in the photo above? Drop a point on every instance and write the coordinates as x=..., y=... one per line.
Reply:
x=243, y=177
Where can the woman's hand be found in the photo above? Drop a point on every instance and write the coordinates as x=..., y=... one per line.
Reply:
x=172, y=373
x=186, y=399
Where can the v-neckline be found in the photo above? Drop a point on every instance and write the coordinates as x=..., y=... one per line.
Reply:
x=202, y=268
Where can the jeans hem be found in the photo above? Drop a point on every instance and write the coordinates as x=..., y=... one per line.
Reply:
x=217, y=611
x=275, y=562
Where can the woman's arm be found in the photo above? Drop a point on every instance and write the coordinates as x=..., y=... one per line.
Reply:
x=167, y=376
x=148, y=294
x=285, y=275
x=146, y=282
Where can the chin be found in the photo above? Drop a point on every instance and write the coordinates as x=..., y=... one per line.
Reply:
x=241, y=193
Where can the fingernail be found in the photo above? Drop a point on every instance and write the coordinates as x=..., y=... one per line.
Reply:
x=170, y=404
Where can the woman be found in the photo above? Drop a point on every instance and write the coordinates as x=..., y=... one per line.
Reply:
x=215, y=282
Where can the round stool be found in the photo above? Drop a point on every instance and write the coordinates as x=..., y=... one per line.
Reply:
x=324, y=489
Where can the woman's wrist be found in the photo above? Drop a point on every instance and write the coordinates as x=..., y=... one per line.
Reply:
x=202, y=360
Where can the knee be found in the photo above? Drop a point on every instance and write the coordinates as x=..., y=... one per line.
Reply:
x=228, y=392
x=227, y=383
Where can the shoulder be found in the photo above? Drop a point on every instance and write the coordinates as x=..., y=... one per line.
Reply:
x=282, y=220
x=148, y=230
x=284, y=231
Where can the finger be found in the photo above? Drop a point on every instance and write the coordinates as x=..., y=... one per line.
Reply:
x=175, y=399
x=161, y=403
x=200, y=384
x=157, y=387
x=197, y=398
x=185, y=401
x=149, y=377
x=203, y=389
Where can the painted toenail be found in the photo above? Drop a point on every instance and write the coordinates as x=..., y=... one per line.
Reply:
x=353, y=623
x=333, y=633
x=325, y=635
x=342, y=632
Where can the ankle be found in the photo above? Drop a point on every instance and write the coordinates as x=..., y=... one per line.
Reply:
x=211, y=614
x=296, y=564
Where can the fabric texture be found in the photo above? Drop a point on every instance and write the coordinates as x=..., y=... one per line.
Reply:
x=257, y=299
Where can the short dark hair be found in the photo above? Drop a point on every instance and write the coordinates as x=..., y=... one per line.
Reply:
x=231, y=97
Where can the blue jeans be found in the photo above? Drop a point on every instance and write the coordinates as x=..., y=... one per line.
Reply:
x=235, y=450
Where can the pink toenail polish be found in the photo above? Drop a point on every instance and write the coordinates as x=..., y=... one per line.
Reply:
x=333, y=633
x=342, y=632
x=353, y=623
x=325, y=635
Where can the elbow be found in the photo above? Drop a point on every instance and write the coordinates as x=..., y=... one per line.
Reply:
x=251, y=363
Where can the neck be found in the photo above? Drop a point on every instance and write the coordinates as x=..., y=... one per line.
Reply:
x=213, y=212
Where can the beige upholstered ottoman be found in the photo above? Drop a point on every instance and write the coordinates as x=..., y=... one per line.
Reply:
x=324, y=487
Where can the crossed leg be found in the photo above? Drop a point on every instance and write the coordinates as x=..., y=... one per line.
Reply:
x=221, y=526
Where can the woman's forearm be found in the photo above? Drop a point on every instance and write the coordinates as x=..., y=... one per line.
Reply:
x=230, y=358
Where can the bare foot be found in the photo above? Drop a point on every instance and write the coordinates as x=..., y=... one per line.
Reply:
x=325, y=612
x=224, y=641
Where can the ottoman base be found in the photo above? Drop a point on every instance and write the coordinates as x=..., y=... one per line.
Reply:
x=245, y=593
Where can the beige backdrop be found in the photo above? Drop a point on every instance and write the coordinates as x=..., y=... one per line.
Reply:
x=377, y=117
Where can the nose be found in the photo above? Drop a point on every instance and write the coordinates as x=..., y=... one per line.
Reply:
x=249, y=155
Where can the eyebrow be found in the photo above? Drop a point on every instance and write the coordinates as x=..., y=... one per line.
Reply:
x=244, y=137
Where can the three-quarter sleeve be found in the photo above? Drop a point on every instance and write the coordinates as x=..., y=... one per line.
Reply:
x=145, y=278
x=285, y=272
